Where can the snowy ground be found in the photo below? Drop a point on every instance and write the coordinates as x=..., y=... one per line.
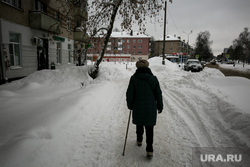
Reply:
x=238, y=67
x=49, y=119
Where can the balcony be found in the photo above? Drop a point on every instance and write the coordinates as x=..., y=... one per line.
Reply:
x=81, y=36
x=39, y=20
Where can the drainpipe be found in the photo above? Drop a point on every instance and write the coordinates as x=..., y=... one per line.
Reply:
x=2, y=65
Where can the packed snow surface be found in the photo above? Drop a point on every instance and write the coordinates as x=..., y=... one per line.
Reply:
x=63, y=118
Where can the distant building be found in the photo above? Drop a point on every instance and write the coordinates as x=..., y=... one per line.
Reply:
x=225, y=50
x=174, y=48
x=122, y=47
x=35, y=33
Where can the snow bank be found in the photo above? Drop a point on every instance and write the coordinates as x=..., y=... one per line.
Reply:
x=233, y=94
x=70, y=76
x=110, y=71
x=237, y=122
x=234, y=90
x=6, y=93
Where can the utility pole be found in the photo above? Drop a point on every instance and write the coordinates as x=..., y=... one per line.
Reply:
x=164, y=34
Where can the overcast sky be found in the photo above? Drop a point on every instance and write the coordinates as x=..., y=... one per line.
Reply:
x=224, y=19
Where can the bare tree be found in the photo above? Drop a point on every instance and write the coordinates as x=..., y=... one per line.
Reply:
x=240, y=49
x=203, y=46
x=102, y=15
x=74, y=13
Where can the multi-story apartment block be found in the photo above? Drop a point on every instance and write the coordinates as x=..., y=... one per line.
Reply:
x=122, y=47
x=175, y=48
x=39, y=34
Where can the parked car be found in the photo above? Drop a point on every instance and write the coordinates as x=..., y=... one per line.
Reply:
x=213, y=62
x=229, y=62
x=193, y=65
x=203, y=63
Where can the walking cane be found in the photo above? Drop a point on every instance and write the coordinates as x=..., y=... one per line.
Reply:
x=126, y=133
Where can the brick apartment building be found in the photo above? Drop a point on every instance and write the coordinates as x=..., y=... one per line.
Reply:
x=122, y=47
x=35, y=33
x=175, y=49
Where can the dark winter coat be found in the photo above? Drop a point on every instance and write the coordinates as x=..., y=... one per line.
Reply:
x=144, y=97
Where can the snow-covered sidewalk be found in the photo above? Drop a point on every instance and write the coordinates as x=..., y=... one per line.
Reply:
x=49, y=119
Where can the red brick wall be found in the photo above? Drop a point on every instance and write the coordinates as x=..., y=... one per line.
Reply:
x=133, y=46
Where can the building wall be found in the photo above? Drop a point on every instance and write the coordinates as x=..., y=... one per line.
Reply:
x=16, y=15
x=170, y=47
x=28, y=51
x=137, y=47
x=17, y=20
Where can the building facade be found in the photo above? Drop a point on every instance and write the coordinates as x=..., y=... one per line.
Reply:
x=39, y=34
x=122, y=47
x=175, y=48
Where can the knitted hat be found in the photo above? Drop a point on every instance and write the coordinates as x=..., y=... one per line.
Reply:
x=142, y=63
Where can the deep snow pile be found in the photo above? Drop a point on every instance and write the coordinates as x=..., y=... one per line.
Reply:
x=64, y=118
x=232, y=94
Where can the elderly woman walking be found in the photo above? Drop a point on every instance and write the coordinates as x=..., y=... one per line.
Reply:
x=144, y=98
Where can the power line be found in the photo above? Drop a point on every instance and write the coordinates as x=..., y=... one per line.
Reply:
x=173, y=21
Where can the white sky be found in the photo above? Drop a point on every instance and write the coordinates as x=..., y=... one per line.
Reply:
x=224, y=19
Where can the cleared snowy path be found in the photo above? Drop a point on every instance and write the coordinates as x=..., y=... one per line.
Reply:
x=180, y=127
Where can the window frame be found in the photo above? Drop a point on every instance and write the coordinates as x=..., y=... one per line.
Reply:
x=14, y=3
x=14, y=61
x=68, y=24
x=40, y=6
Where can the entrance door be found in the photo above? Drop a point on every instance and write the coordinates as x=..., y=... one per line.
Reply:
x=43, y=56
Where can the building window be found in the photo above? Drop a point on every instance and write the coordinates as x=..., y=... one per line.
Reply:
x=58, y=52
x=139, y=41
x=15, y=3
x=128, y=46
x=128, y=41
x=68, y=24
x=69, y=52
x=134, y=41
x=134, y=47
x=14, y=49
x=40, y=6
x=109, y=47
x=139, y=47
x=57, y=15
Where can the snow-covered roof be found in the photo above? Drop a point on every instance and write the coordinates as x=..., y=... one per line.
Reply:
x=169, y=38
x=128, y=35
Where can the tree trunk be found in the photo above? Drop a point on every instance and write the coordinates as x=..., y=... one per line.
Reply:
x=95, y=70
